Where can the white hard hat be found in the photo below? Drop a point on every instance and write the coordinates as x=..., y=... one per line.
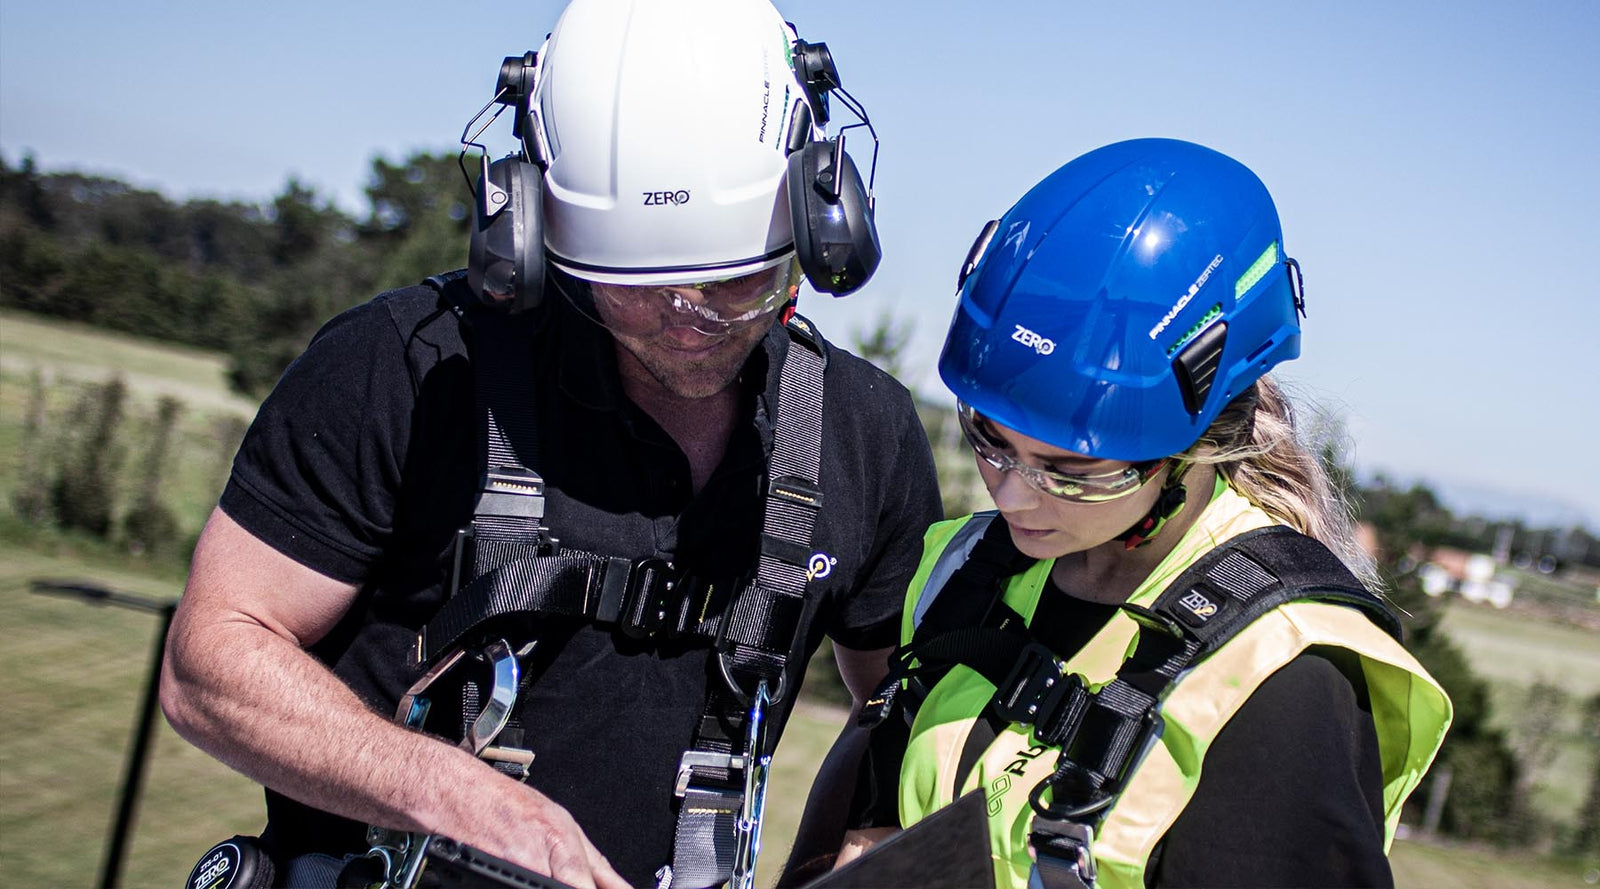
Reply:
x=665, y=128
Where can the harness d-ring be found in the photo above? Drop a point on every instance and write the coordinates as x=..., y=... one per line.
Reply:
x=1096, y=803
x=739, y=693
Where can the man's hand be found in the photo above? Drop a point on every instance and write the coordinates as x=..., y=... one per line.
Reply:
x=238, y=683
x=538, y=834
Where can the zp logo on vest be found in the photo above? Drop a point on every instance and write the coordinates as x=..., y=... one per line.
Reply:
x=1198, y=605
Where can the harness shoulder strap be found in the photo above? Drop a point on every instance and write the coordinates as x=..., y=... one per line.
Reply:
x=716, y=835
x=1103, y=736
x=1255, y=572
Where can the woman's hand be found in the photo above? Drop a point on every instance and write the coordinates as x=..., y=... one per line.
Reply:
x=858, y=842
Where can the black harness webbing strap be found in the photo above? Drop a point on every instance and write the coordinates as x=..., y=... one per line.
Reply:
x=508, y=514
x=973, y=596
x=968, y=623
x=789, y=513
x=642, y=597
x=502, y=360
x=762, y=623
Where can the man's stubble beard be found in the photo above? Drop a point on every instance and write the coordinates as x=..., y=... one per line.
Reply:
x=693, y=375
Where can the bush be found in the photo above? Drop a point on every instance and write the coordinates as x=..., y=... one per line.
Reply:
x=84, y=491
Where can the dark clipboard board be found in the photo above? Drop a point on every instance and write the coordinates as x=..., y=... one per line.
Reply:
x=946, y=850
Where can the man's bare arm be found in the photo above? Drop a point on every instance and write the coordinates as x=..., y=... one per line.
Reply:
x=238, y=683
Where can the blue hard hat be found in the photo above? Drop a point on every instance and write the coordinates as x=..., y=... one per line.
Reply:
x=1124, y=301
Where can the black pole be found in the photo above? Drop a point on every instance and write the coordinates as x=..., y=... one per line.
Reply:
x=143, y=729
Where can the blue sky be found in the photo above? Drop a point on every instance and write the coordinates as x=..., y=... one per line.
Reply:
x=1433, y=163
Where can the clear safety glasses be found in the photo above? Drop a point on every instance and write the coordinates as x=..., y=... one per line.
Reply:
x=985, y=441
x=712, y=308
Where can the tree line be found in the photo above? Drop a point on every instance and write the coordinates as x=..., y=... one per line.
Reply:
x=251, y=280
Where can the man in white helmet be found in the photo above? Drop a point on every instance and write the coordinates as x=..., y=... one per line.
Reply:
x=330, y=588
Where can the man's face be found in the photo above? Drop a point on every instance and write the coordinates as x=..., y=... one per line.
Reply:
x=693, y=339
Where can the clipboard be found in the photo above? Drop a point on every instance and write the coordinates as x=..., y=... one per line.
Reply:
x=946, y=850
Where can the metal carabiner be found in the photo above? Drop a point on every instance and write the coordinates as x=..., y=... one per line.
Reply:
x=758, y=764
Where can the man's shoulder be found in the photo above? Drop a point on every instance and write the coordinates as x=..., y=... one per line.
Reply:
x=416, y=321
x=420, y=311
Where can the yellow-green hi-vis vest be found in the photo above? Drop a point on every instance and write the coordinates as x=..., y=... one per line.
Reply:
x=1411, y=711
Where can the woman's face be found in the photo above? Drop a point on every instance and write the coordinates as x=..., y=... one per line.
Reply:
x=1047, y=527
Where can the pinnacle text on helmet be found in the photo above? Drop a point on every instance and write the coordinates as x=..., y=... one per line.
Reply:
x=1184, y=300
x=666, y=198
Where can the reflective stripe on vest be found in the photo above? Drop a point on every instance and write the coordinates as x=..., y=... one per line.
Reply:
x=1410, y=710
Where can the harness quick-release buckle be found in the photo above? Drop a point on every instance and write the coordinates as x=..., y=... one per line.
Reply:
x=1034, y=691
x=643, y=598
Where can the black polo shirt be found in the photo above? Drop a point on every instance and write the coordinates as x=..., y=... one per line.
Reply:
x=362, y=465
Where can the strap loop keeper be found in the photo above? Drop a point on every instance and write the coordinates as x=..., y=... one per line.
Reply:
x=796, y=489
x=511, y=492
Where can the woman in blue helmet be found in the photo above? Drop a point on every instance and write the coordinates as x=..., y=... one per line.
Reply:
x=1147, y=658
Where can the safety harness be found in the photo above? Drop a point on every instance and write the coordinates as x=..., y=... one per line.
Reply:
x=509, y=567
x=1102, y=734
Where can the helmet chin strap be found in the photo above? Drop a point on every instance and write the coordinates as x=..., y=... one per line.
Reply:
x=1167, y=506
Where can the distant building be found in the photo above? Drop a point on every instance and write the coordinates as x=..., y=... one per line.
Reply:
x=1472, y=575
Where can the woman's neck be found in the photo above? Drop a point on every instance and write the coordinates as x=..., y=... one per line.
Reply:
x=1110, y=572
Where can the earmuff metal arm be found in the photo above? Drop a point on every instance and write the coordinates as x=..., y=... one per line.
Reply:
x=494, y=198
x=850, y=102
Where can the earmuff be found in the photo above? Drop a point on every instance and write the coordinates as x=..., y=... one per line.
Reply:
x=505, y=260
x=835, y=237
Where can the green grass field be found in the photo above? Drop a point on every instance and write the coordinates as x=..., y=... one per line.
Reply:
x=1512, y=653
x=71, y=674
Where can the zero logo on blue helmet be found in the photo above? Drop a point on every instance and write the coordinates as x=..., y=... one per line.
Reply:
x=1034, y=341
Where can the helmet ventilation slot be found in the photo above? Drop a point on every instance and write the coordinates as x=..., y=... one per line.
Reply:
x=1196, y=366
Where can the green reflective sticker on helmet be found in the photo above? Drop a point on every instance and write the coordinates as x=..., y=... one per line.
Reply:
x=1211, y=315
x=1256, y=271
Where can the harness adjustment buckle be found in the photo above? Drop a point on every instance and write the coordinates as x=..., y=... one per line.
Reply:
x=1150, y=619
x=705, y=759
x=1064, y=855
x=877, y=707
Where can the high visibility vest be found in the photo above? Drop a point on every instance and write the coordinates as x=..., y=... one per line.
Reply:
x=1411, y=711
